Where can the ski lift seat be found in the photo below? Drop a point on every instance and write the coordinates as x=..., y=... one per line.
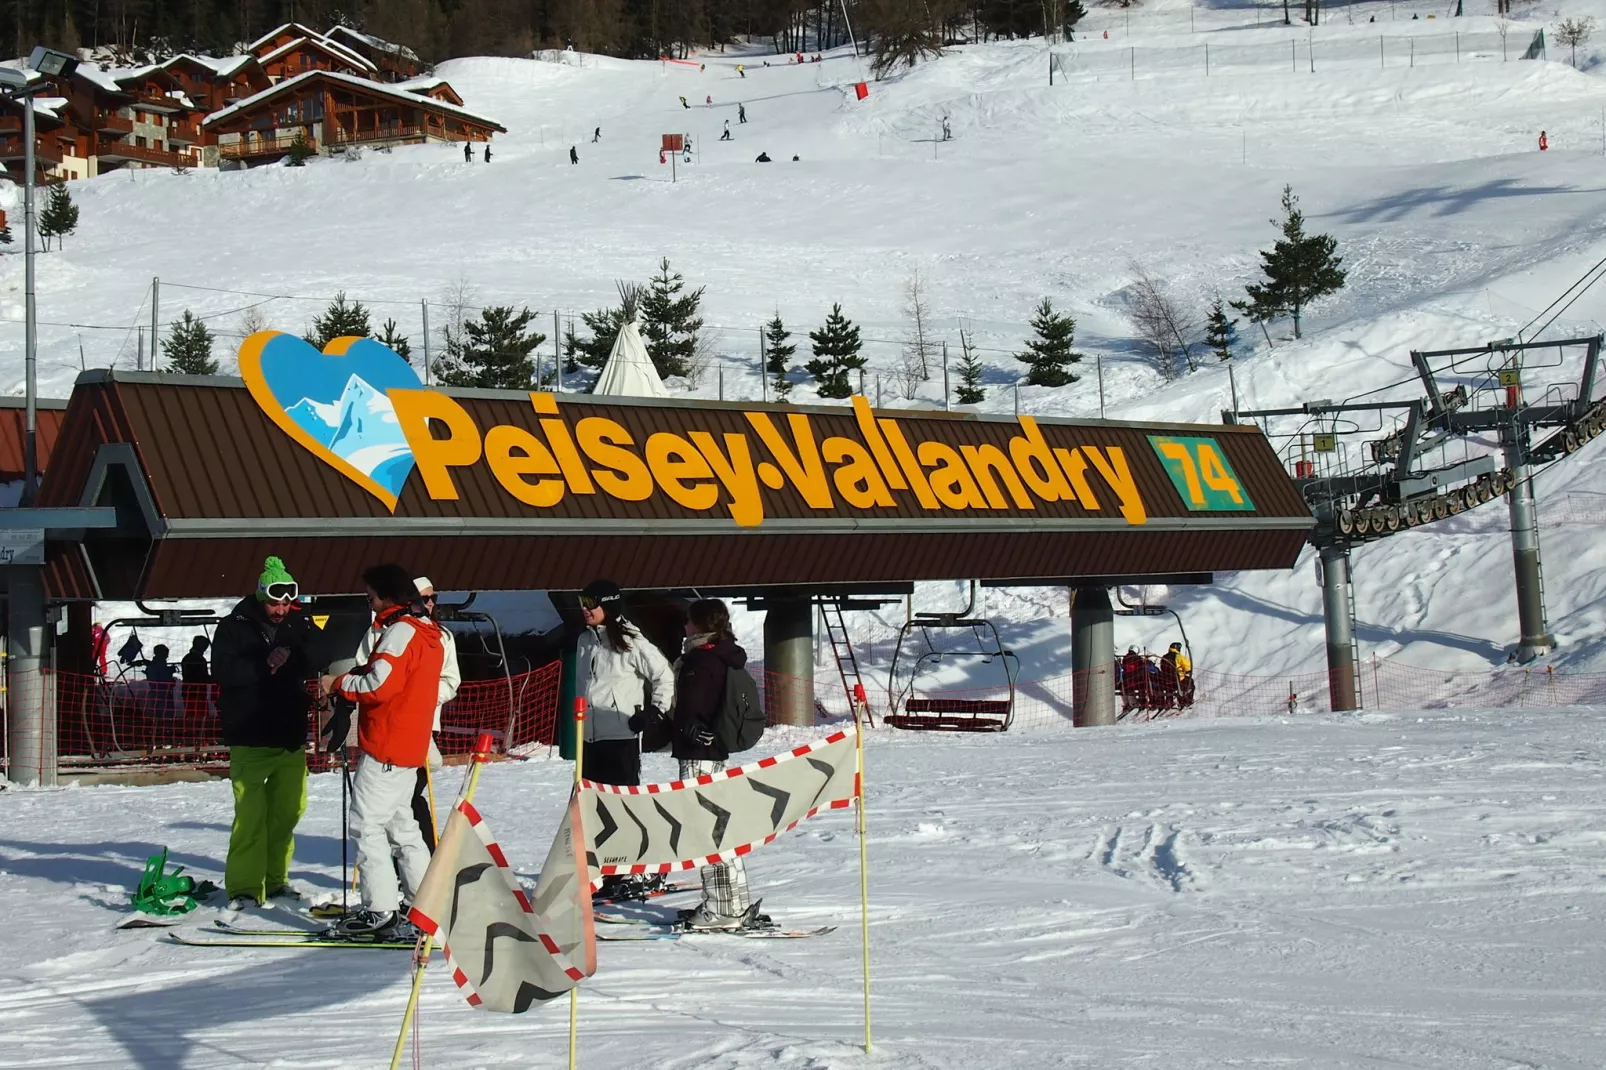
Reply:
x=953, y=714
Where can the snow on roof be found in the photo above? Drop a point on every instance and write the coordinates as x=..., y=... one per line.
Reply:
x=376, y=88
x=225, y=65
x=105, y=80
x=372, y=42
x=295, y=27
x=335, y=49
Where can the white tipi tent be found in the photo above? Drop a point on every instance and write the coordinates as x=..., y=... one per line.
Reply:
x=629, y=371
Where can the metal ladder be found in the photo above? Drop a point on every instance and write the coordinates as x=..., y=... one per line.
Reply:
x=847, y=663
x=1354, y=639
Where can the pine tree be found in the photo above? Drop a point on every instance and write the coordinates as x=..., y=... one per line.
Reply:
x=5, y=235
x=1050, y=354
x=604, y=325
x=1220, y=336
x=970, y=390
x=188, y=347
x=670, y=322
x=300, y=150
x=391, y=338
x=338, y=321
x=836, y=354
x=59, y=217
x=1299, y=269
x=494, y=352
x=778, y=350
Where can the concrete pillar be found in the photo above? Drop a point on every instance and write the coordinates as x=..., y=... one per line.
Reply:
x=789, y=659
x=1339, y=616
x=1536, y=638
x=1092, y=658
x=30, y=700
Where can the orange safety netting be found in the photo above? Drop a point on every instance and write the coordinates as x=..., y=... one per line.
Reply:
x=125, y=721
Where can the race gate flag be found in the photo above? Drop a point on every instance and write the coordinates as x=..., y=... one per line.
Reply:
x=659, y=828
x=506, y=953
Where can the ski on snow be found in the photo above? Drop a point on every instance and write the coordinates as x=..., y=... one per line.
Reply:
x=268, y=939
x=642, y=929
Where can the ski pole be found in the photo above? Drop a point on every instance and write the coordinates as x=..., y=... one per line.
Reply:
x=345, y=830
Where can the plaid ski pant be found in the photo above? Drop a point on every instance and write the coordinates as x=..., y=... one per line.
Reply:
x=724, y=884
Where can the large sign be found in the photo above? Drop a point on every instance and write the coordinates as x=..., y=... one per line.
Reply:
x=361, y=409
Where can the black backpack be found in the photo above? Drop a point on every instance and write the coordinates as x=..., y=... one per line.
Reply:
x=741, y=713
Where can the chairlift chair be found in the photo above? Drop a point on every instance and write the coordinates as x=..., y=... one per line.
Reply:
x=911, y=661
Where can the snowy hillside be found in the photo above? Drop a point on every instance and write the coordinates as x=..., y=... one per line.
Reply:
x=1455, y=231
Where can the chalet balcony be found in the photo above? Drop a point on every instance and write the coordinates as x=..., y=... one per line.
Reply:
x=261, y=148
x=123, y=150
x=389, y=133
x=112, y=123
x=184, y=133
x=12, y=148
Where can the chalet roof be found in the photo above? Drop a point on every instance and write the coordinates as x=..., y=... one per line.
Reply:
x=377, y=43
x=425, y=85
x=339, y=51
x=105, y=81
x=378, y=89
x=224, y=66
x=294, y=27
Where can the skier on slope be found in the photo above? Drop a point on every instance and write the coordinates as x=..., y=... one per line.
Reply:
x=574, y=156
x=468, y=152
x=709, y=653
x=741, y=114
x=726, y=136
x=596, y=135
x=623, y=678
x=261, y=665
x=396, y=692
x=683, y=104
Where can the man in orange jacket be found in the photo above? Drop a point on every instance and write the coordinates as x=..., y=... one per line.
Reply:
x=396, y=692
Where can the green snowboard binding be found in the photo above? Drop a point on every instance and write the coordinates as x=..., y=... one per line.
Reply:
x=164, y=894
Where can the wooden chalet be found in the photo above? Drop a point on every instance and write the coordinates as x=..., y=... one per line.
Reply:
x=334, y=111
x=313, y=54
x=54, y=139
x=395, y=63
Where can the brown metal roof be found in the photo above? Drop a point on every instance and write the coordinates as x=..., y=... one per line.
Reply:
x=221, y=486
x=13, y=424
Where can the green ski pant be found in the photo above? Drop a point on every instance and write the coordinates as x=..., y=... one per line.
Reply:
x=270, y=795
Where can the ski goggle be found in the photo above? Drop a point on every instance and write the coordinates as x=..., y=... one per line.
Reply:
x=587, y=602
x=281, y=592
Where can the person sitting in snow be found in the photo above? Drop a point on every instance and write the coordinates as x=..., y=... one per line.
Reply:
x=762, y=157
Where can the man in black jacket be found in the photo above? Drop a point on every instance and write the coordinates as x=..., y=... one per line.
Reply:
x=261, y=666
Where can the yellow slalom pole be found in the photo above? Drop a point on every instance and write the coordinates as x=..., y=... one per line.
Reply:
x=579, y=755
x=482, y=754
x=864, y=870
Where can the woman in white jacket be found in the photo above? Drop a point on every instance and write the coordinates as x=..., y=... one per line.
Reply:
x=451, y=679
x=621, y=674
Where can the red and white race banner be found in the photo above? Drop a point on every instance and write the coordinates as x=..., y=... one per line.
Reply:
x=659, y=828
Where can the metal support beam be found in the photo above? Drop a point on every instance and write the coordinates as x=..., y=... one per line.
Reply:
x=1535, y=635
x=789, y=659
x=1339, y=615
x=1092, y=658
x=30, y=697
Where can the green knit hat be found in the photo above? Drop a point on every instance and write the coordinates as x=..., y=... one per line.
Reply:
x=273, y=571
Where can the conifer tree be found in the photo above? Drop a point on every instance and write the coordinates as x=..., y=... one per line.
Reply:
x=59, y=217
x=300, y=150
x=836, y=354
x=669, y=321
x=778, y=350
x=392, y=338
x=493, y=352
x=339, y=320
x=1220, y=335
x=5, y=235
x=188, y=347
x=1299, y=268
x=970, y=390
x=604, y=325
x=1050, y=354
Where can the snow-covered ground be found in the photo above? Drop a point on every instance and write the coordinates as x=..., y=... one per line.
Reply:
x=1325, y=892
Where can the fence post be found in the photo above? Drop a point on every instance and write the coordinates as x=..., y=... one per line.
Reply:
x=1293, y=55
x=1382, y=62
x=1207, y=56
x=1413, y=52
x=1132, y=61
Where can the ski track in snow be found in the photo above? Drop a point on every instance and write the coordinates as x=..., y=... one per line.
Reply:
x=1370, y=890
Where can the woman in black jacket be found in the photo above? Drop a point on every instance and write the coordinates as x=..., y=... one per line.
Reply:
x=709, y=653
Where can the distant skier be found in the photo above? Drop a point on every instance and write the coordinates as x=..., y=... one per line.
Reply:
x=947, y=131
x=726, y=136
x=468, y=152
x=1544, y=142
x=683, y=104
x=487, y=152
x=794, y=157
x=596, y=136
x=741, y=114
x=708, y=101
x=574, y=157
x=762, y=157
x=741, y=71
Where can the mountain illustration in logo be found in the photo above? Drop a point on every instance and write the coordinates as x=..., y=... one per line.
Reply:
x=336, y=404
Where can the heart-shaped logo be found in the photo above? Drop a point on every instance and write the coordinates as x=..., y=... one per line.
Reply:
x=336, y=404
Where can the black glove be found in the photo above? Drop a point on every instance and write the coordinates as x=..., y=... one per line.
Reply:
x=644, y=719
x=701, y=735
x=339, y=726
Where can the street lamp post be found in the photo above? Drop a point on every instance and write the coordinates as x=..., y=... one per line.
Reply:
x=18, y=86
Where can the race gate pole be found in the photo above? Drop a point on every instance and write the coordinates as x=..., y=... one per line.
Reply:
x=864, y=867
x=579, y=764
x=482, y=754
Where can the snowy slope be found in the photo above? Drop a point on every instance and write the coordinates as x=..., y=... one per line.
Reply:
x=1454, y=230
x=1366, y=891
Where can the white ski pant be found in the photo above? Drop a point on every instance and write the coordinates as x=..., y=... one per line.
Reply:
x=725, y=883
x=383, y=825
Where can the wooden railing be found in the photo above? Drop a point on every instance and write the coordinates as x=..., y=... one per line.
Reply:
x=122, y=150
x=254, y=147
x=115, y=124
x=384, y=133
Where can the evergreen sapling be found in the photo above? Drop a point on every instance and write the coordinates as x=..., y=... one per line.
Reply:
x=836, y=354
x=1299, y=269
x=1049, y=355
x=59, y=217
x=392, y=338
x=970, y=390
x=778, y=350
x=669, y=322
x=339, y=320
x=493, y=352
x=188, y=347
x=1220, y=334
